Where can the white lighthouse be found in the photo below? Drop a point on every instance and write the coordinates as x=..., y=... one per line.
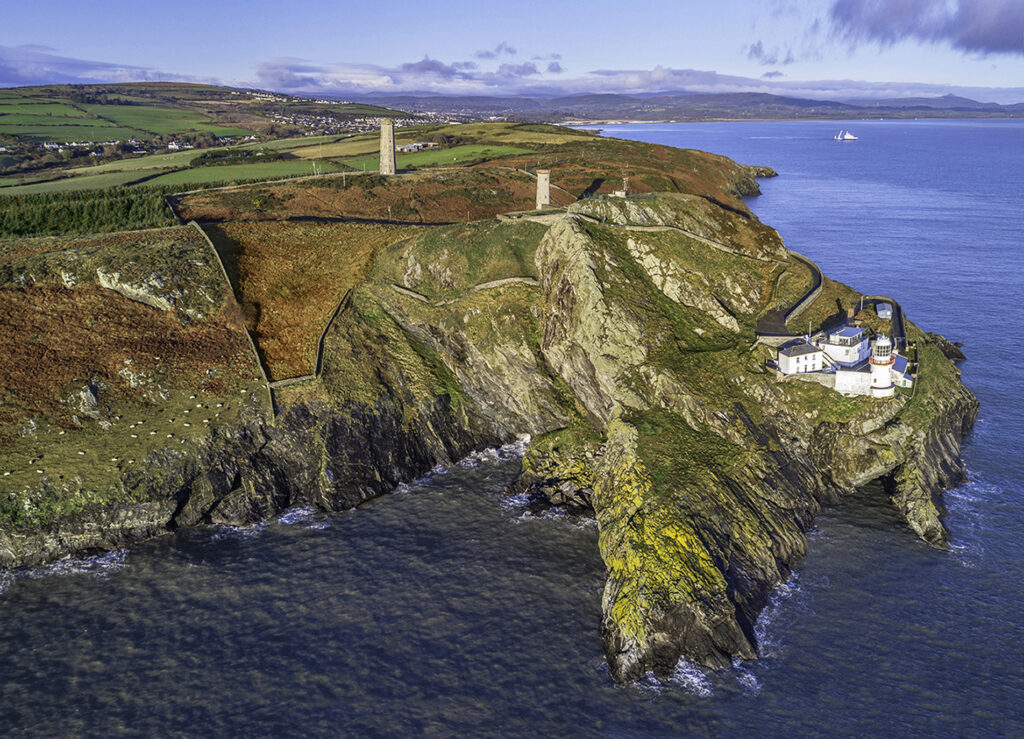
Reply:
x=881, y=368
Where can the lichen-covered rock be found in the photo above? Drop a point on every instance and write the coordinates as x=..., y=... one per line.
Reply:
x=621, y=338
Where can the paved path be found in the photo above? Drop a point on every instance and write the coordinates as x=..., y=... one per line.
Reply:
x=664, y=227
x=774, y=322
x=899, y=321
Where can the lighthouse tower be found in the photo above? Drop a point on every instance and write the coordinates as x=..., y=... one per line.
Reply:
x=881, y=368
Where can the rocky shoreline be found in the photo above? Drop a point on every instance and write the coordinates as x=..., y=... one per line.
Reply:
x=617, y=336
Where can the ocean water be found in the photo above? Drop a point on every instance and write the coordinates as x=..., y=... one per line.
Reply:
x=444, y=609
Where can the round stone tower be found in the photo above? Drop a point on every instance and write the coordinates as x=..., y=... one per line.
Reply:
x=881, y=368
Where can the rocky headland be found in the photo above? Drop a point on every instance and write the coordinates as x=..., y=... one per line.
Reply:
x=617, y=333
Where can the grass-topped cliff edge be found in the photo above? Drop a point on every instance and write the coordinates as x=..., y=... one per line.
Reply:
x=619, y=333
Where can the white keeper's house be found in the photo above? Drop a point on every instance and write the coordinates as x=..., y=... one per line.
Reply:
x=848, y=361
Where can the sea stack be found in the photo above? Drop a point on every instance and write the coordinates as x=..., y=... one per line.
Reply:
x=387, y=146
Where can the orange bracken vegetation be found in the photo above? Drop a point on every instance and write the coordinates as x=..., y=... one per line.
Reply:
x=55, y=339
x=290, y=276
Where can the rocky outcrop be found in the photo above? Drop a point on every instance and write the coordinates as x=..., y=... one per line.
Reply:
x=314, y=455
x=629, y=358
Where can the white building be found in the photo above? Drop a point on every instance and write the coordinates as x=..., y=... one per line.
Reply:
x=846, y=346
x=884, y=310
x=847, y=361
x=800, y=356
x=853, y=380
x=900, y=376
x=881, y=368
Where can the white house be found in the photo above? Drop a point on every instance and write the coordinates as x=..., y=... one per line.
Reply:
x=800, y=356
x=846, y=346
x=884, y=310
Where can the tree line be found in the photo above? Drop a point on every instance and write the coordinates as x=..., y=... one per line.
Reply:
x=88, y=211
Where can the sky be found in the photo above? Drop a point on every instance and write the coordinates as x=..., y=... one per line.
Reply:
x=810, y=48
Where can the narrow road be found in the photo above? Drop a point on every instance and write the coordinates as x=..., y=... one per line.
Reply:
x=774, y=322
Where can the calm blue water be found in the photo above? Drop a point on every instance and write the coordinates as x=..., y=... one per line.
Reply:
x=440, y=609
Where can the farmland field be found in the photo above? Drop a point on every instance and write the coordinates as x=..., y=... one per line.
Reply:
x=161, y=121
x=169, y=160
x=67, y=184
x=435, y=157
x=50, y=129
x=26, y=107
x=234, y=172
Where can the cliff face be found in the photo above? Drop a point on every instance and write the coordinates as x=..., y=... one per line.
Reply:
x=620, y=337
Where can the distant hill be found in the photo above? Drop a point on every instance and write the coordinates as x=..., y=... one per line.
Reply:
x=148, y=111
x=689, y=106
x=944, y=102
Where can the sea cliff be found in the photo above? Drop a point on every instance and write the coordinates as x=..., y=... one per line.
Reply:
x=618, y=334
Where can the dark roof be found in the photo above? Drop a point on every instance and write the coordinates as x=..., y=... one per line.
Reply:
x=798, y=348
x=899, y=364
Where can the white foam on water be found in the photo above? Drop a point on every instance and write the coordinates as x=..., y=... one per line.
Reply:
x=966, y=520
x=768, y=642
x=226, y=531
x=692, y=679
x=747, y=679
x=551, y=514
x=506, y=452
x=293, y=516
x=99, y=565
x=6, y=578
x=514, y=502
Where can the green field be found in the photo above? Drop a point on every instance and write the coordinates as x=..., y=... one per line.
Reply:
x=27, y=119
x=25, y=107
x=235, y=172
x=45, y=118
x=67, y=184
x=170, y=160
x=49, y=131
x=294, y=143
x=161, y=121
x=440, y=157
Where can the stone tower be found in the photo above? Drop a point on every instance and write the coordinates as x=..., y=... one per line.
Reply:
x=543, y=188
x=387, y=146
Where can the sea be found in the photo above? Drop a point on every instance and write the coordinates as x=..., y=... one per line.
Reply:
x=446, y=609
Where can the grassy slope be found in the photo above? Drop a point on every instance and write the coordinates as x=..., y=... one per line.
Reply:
x=153, y=370
x=270, y=265
x=454, y=156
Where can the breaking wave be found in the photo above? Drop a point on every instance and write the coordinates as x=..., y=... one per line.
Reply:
x=99, y=565
x=226, y=531
x=692, y=679
x=769, y=643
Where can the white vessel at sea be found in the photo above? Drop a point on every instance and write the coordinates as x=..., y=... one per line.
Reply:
x=844, y=136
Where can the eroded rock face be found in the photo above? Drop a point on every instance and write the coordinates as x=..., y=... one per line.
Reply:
x=629, y=358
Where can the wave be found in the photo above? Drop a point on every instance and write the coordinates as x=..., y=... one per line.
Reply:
x=306, y=516
x=692, y=679
x=747, y=679
x=770, y=644
x=292, y=516
x=966, y=518
x=99, y=565
x=226, y=531
x=504, y=453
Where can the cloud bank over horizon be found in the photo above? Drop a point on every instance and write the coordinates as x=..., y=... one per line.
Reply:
x=33, y=64
x=831, y=29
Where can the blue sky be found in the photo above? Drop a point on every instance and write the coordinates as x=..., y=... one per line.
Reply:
x=824, y=48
